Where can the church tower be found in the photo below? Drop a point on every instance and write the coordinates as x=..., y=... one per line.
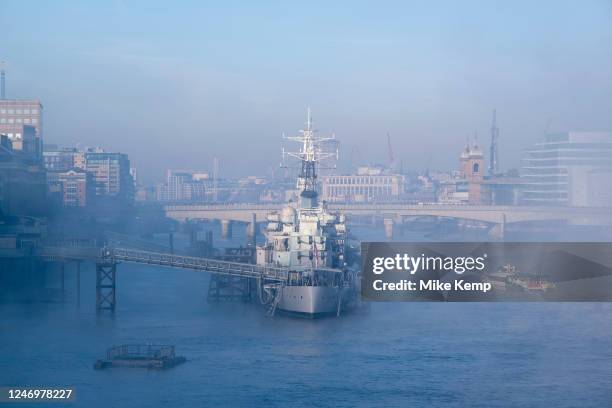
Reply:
x=471, y=168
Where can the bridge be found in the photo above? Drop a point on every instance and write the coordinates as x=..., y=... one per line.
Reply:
x=397, y=212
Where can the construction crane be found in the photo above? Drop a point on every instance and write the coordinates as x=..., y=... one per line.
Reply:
x=2, y=80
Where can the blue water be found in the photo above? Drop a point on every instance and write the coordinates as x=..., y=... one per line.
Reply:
x=394, y=354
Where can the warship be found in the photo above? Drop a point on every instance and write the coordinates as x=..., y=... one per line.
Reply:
x=311, y=241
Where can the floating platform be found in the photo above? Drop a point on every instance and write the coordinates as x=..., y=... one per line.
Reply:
x=138, y=355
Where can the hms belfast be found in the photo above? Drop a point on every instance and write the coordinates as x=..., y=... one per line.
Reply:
x=311, y=242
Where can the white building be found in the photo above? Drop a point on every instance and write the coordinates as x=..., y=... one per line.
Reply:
x=369, y=184
x=571, y=168
x=184, y=185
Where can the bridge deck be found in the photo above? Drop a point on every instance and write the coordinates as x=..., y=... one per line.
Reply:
x=486, y=213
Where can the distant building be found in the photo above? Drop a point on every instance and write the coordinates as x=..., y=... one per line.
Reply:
x=75, y=187
x=472, y=170
x=79, y=160
x=184, y=185
x=502, y=189
x=111, y=174
x=469, y=185
x=77, y=176
x=22, y=183
x=369, y=184
x=59, y=159
x=569, y=169
x=145, y=193
x=21, y=121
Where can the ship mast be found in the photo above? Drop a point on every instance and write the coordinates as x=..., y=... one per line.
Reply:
x=310, y=153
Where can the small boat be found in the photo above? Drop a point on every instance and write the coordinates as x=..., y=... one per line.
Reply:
x=140, y=355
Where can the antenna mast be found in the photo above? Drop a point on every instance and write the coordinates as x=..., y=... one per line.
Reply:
x=309, y=154
x=215, y=179
x=390, y=153
x=494, y=159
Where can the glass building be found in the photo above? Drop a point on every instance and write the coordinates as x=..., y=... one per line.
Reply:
x=569, y=169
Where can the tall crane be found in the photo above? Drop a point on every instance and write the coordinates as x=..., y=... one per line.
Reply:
x=2, y=81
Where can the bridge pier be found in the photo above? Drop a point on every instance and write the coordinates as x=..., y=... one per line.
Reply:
x=226, y=229
x=251, y=231
x=388, y=222
x=499, y=230
x=106, y=278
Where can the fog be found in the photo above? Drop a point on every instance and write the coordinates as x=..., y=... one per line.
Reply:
x=174, y=87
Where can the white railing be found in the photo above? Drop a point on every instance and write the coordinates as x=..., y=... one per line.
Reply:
x=201, y=264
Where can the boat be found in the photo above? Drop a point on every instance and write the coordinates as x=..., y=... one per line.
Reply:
x=310, y=241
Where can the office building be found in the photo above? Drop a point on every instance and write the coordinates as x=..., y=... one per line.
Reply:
x=184, y=185
x=111, y=174
x=75, y=186
x=22, y=183
x=59, y=159
x=569, y=169
x=22, y=122
x=369, y=184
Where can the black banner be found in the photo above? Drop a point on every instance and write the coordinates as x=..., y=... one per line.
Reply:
x=486, y=271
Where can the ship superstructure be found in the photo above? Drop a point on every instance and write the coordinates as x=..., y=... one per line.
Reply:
x=309, y=240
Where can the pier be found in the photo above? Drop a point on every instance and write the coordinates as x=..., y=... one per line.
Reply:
x=230, y=279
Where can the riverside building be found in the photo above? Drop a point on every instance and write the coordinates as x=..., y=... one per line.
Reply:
x=22, y=122
x=369, y=184
x=569, y=169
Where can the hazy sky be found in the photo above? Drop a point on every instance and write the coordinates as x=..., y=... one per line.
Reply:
x=175, y=83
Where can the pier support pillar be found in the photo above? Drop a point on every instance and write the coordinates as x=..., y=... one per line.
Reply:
x=401, y=227
x=388, y=222
x=252, y=230
x=63, y=270
x=226, y=229
x=221, y=287
x=78, y=284
x=106, y=277
x=210, y=247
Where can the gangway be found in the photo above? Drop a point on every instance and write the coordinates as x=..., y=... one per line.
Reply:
x=244, y=270
x=268, y=276
x=107, y=258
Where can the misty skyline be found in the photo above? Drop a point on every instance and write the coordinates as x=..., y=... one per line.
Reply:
x=175, y=86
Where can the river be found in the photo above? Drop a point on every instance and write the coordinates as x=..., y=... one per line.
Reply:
x=390, y=354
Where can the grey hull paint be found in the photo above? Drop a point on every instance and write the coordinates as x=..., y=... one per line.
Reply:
x=310, y=300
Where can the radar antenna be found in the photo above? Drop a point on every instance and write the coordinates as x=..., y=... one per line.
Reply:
x=311, y=152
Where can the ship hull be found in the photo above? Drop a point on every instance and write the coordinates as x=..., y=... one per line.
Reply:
x=311, y=301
